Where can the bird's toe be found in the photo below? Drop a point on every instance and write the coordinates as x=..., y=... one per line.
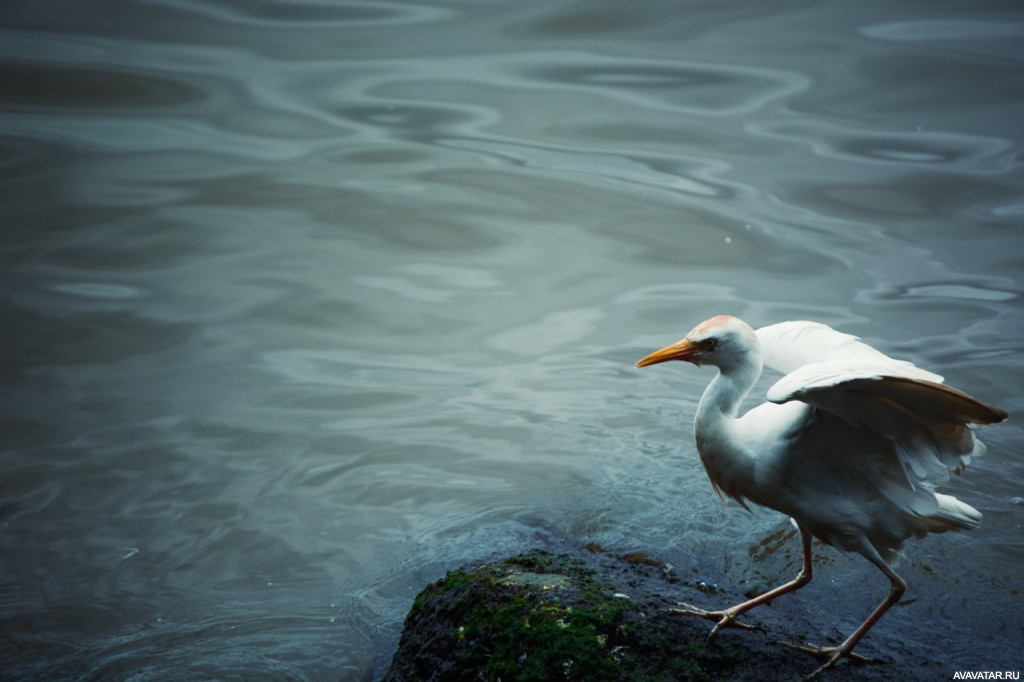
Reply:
x=829, y=654
x=721, y=618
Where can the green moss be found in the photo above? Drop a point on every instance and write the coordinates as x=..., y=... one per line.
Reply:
x=545, y=562
x=540, y=616
x=527, y=639
x=452, y=581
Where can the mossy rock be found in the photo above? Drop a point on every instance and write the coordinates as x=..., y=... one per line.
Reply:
x=589, y=616
x=537, y=617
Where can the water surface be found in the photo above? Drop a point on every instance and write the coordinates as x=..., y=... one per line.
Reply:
x=305, y=303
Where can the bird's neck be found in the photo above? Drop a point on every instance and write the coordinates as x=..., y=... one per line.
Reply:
x=727, y=460
x=726, y=391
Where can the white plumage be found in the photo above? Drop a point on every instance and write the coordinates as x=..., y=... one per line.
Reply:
x=851, y=444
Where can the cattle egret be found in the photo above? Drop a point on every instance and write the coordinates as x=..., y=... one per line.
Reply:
x=851, y=445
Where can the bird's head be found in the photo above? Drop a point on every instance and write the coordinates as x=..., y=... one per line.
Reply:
x=722, y=341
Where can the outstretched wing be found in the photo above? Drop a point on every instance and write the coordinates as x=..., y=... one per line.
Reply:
x=788, y=346
x=912, y=430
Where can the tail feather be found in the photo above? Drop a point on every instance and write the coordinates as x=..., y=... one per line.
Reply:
x=953, y=514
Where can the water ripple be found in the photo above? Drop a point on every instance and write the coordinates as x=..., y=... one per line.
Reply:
x=37, y=86
x=311, y=14
x=637, y=170
x=694, y=88
x=931, y=30
x=973, y=154
x=100, y=290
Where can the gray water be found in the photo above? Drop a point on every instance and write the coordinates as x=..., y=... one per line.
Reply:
x=305, y=303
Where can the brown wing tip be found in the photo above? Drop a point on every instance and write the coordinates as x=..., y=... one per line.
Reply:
x=997, y=415
x=963, y=405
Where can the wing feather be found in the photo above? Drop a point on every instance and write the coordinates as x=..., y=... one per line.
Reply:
x=788, y=346
x=885, y=422
x=845, y=392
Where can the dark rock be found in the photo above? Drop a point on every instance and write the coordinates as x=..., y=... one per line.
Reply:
x=585, y=615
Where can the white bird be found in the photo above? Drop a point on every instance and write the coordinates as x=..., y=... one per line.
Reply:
x=851, y=445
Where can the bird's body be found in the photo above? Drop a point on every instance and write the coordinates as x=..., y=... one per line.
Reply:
x=851, y=444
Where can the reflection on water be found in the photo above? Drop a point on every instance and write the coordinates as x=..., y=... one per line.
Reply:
x=305, y=303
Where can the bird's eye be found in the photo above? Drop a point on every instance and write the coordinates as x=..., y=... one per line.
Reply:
x=709, y=344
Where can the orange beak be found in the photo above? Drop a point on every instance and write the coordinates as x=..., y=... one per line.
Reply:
x=683, y=350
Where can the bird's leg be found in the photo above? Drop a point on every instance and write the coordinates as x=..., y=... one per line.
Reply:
x=729, y=615
x=845, y=650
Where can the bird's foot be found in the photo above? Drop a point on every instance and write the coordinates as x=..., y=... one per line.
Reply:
x=829, y=654
x=721, y=618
